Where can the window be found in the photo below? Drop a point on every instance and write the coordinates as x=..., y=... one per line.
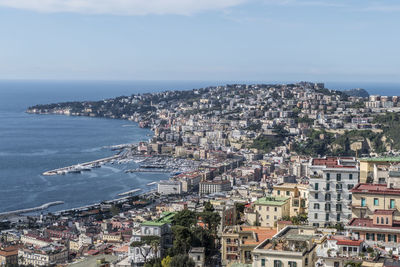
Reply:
x=279, y=192
x=382, y=220
x=315, y=215
x=275, y=209
x=338, y=217
x=327, y=207
x=316, y=196
x=392, y=204
x=277, y=263
x=316, y=206
x=292, y=264
x=376, y=202
x=362, y=202
x=351, y=176
x=328, y=176
x=198, y=258
x=336, y=264
x=338, y=197
x=350, y=186
x=350, y=197
x=263, y=262
x=380, y=237
x=328, y=187
x=267, y=208
x=338, y=207
x=377, y=220
x=267, y=217
x=288, y=193
x=338, y=177
x=328, y=197
x=316, y=186
x=387, y=220
x=327, y=217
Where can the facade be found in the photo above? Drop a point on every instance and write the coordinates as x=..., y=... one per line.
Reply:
x=198, y=256
x=169, y=187
x=291, y=247
x=297, y=199
x=215, y=186
x=268, y=210
x=45, y=256
x=237, y=242
x=376, y=215
x=331, y=181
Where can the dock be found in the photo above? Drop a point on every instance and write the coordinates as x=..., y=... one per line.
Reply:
x=78, y=168
x=42, y=207
x=148, y=170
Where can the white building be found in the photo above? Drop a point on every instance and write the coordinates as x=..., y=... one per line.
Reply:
x=331, y=180
x=168, y=187
x=215, y=186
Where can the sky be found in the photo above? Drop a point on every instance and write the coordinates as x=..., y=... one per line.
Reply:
x=262, y=40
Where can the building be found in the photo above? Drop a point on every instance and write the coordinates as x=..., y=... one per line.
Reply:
x=291, y=247
x=215, y=186
x=376, y=215
x=267, y=210
x=297, y=200
x=139, y=251
x=237, y=242
x=331, y=181
x=167, y=187
x=375, y=170
x=44, y=256
x=198, y=256
x=9, y=256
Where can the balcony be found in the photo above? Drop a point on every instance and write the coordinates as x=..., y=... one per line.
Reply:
x=316, y=176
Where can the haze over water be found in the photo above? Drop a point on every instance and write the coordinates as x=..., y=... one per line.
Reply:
x=31, y=144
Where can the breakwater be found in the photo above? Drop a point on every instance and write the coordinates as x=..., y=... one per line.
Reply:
x=21, y=211
x=82, y=166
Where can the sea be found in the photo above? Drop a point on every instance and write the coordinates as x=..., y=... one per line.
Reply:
x=31, y=144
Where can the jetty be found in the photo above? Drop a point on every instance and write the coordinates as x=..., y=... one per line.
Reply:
x=130, y=192
x=21, y=211
x=78, y=168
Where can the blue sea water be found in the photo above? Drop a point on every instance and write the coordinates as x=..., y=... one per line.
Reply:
x=31, y=144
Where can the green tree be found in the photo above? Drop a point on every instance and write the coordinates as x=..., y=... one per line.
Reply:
x=182, y=260
x=185, y=218
x=166, y=262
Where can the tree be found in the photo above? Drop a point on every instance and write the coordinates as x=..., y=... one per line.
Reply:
x=182, y=239
x=114, y=210
x=146, y=245
x=182, y=260
x=185, y=218
x=166, y=262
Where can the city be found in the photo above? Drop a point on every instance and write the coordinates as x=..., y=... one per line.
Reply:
x=280, y=175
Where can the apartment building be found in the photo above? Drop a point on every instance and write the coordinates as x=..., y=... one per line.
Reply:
x=375, y=170
x=237, y=242
x=215, y=186
x=293, y=246
x=331, y=181
x=266, y=211
x=297, y=195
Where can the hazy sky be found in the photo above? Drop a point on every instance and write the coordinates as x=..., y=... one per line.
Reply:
x=271, y=40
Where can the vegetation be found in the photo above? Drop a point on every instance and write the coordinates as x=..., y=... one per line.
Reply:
x=267, y=143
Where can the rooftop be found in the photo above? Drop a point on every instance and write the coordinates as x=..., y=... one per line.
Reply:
x=375, y=189
x=166, y=218
x=357, y=222
x=381, y=159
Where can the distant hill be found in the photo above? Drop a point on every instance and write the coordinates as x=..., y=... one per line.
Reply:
x=357, y=92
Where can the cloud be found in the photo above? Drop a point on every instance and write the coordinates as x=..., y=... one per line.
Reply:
x=122, y=7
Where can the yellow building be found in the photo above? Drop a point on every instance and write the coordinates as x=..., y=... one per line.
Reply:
x=366, y=198
x=266, y=211
x=297, y=193
x=374, y=170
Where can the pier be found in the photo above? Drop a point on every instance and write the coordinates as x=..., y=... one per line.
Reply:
x=148, y=170
x=82, y=166
x=42, y=207
x=130, y=192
